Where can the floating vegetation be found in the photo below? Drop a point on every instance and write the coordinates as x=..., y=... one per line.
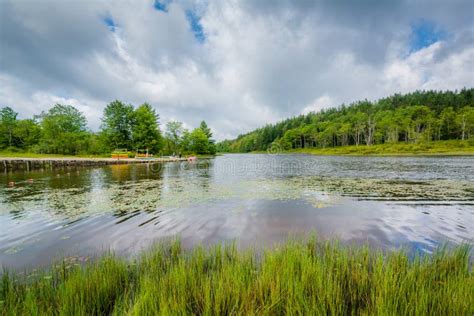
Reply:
x=12, y=250
x=149, y=195
x=433, y=190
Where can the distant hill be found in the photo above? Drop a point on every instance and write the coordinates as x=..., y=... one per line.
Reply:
x=414, y=117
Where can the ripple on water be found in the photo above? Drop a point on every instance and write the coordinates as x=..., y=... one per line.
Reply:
x=386, y=202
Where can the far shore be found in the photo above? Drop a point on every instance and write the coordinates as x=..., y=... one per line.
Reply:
x=382, y=154
x=434, y=148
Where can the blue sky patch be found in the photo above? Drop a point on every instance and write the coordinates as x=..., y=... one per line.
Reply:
x=161, y=5
x=196, y=27
x=424, y=33
x=110, y=23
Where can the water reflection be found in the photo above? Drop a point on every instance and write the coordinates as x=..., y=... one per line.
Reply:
x=254, y=199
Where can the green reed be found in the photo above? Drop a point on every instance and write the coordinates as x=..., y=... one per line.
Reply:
x=298, y=277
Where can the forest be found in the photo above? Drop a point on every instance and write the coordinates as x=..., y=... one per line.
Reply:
x=417, y=117
x=63, y=130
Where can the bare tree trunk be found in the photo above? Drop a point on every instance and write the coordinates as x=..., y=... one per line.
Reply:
x=10, y=136
x=370, y=131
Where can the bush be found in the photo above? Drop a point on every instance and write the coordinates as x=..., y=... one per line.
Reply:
x=14, y=150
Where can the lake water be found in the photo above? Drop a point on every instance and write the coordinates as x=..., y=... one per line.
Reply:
x=254, y=200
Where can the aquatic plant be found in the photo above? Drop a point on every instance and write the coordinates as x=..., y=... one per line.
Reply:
x=148, y=195
x=299, y=277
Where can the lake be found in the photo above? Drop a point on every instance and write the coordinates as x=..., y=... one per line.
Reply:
x=252, y=199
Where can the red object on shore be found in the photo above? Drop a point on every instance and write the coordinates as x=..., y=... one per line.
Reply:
x=192, y=158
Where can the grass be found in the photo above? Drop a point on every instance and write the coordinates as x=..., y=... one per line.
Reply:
x=299, y=277
x=207, y=156
x=12, y=154
x=448, y=147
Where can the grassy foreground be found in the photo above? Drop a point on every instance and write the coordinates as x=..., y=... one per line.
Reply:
x=300, y=277
x=447, y=147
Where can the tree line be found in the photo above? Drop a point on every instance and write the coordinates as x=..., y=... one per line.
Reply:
x=63, y=130
x=420, y=116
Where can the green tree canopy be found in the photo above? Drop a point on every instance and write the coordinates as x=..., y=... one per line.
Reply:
x=211, y=148
x=145, y=131
x=420, y=116
x=198, y=141
x=174, y=133
x=203, y=126
x=7, y=125
x=64, y=130
x=27, y=133
x=465, y=121
x=117, y=124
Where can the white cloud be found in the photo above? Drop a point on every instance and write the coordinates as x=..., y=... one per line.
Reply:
x=422, y=70
x=39, y=101
x=318, y=104
x=260, y=62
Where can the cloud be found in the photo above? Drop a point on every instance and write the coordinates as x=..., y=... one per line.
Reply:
x=431, y=68
x=30, y=103
x=236, y=64
x=318, y=104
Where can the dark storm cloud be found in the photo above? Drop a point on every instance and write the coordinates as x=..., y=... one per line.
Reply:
x=46, y=44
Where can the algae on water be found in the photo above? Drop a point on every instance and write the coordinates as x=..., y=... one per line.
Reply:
x=148, y=195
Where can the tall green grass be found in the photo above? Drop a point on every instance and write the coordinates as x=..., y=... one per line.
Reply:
x=300, y=277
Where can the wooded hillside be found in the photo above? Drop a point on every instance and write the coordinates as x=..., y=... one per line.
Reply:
x=415, y=117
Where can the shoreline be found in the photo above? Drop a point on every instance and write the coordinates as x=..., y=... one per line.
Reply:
x=390, y=154
x=414, y=154
x=431, y=149
x=27, y=164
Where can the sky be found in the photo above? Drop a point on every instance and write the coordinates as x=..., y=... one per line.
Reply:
x=236, y=64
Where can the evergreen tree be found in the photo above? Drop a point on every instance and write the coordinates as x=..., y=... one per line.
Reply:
x=198, y=141
x=145, y=130
x=211, y=147
x=203, y=126
x=117, y=123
